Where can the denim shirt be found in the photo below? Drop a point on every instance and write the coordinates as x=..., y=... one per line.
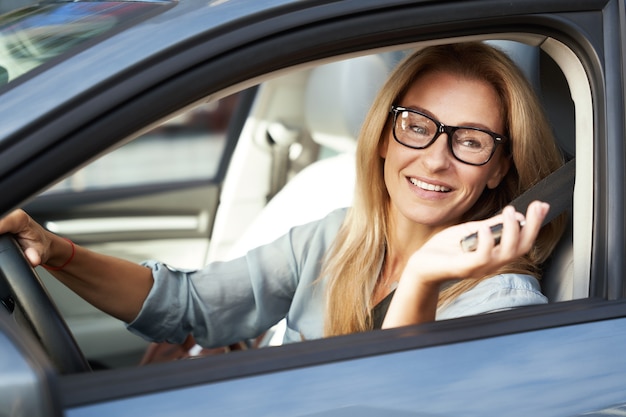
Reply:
x=226, y=302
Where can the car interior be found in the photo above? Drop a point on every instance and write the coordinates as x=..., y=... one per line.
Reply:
x=293, y=162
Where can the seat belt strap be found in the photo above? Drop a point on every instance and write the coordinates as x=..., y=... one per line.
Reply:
x=557, y=189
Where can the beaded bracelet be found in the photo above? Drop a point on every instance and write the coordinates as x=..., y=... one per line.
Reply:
x=58, y=268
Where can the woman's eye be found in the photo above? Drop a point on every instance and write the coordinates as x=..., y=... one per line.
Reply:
x=470, y=143
x=419, y=130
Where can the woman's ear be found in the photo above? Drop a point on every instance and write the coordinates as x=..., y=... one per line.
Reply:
x=499, y=173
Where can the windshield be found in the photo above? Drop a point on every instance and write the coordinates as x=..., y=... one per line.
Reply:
x=33, y=35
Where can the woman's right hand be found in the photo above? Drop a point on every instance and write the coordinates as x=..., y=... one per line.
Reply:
x=35, y=241
x=113, y=285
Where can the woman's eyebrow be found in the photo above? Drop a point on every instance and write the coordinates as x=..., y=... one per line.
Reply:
x=467, y=124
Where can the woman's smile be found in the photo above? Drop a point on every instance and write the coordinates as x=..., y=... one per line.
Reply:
x=429, y=186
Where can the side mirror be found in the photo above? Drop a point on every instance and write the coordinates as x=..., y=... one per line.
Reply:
x=27, y=378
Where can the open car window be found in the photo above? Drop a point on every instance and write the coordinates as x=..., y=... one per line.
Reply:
x=158, y=197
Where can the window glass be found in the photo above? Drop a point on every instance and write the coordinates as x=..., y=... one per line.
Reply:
x=188, y=147
x=33, y=35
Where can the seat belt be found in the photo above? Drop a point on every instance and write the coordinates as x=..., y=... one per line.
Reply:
x=557, y=189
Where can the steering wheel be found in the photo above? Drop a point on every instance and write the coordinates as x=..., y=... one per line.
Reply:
x=21, y=290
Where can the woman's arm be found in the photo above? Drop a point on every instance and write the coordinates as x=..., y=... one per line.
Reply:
x=115, y=286
x=442, y=259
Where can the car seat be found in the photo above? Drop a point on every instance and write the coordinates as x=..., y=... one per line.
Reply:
x=337, y=97
x=558, y=282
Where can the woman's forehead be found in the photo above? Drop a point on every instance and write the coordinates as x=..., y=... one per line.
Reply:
x=455, y=100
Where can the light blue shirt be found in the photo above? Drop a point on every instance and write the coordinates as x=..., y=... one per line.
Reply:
x=226, y=302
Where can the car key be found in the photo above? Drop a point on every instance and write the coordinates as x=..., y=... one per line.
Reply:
x=470, y=242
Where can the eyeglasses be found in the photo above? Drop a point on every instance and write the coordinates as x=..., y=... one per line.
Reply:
x=469, y=145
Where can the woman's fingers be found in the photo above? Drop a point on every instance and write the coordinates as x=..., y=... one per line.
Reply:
x=33, y=256
x=518, y=232
x=535, y=214
x=13, y=222
x=511, y=230
x=513, y=237
x=443, y=257
x=29, y=235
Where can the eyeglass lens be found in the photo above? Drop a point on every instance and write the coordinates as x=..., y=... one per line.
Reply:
x=419, y=131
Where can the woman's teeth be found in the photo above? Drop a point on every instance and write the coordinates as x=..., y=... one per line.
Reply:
x=429, y=187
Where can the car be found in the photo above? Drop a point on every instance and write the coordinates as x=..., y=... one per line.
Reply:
x=191, y=130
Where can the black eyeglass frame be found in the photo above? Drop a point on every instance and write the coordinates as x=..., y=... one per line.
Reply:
x=498, y=139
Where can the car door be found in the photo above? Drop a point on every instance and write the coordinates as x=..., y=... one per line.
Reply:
x=522, y=362
x=562, y=359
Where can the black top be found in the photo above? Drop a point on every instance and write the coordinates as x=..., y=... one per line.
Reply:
x=380, y=310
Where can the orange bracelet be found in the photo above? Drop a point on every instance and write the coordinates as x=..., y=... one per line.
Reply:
x=58, y=268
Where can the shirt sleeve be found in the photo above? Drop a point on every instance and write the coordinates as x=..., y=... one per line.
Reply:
x=226, y=302
x=500, y=292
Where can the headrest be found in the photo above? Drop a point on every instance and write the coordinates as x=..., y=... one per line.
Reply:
x=337, y=98
x=526, y=57
x=550, y=85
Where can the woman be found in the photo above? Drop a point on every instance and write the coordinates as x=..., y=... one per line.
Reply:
x=529, y=155
x=421, y=187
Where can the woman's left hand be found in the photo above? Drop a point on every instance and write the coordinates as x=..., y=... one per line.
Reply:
x=442, y=258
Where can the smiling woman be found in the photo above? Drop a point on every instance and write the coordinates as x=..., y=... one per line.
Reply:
x=468, y=85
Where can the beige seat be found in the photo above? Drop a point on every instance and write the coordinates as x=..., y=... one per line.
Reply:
x=336, y=101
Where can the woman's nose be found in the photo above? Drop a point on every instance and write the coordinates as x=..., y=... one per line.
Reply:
x=437, y=156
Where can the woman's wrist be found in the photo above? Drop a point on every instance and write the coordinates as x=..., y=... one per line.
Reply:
x=63, y=251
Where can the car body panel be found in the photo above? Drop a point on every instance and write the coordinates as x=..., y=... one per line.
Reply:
x=527, y=373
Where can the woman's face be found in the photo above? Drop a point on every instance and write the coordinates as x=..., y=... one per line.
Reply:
x=429, y=186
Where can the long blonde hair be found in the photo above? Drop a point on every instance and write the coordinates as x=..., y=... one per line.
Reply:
x=352, y=265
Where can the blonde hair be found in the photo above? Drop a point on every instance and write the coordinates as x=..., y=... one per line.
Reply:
x=353, y=263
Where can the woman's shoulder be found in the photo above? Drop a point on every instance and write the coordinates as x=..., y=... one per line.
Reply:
x=329, y=224
x=522, y=282
x=336, y=216
x=303, y=240
x=497, y=293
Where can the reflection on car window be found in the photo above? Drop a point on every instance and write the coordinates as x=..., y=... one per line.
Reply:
x=186, y=148
x=32, y=36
